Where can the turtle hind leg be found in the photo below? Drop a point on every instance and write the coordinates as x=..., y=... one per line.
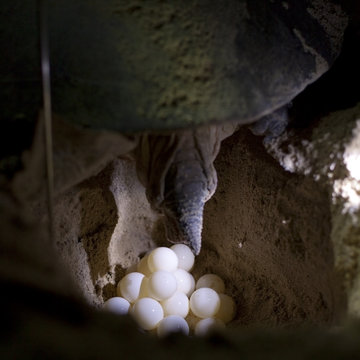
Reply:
x=272, y=125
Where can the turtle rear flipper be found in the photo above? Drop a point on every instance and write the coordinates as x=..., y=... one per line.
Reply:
x=178, y=173
x=272, y=125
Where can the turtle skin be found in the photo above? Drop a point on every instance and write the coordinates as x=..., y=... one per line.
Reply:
x=181, y=75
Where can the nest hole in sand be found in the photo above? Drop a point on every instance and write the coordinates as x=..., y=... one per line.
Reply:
x=266, y=233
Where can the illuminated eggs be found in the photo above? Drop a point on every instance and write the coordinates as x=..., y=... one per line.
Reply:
x=117, y=305
x=185, y=256
x=148, y=313
x=162, y=285
x=163, y=258
x=172, y=324
x=129, y=286
x=162, y=296
x=204, y=303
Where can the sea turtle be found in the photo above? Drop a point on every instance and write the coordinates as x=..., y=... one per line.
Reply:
x=182, y=75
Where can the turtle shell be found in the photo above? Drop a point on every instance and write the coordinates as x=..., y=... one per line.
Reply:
x=132, y=65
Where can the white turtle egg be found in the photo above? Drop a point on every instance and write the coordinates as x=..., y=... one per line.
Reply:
x=185, y=281
x=172, y=324
x=211, y=281
x=129, y=286
x=205, y=326
x=143, y=266
x=185, y=256
x=163, y=258
x=147, y=313
x=204, y=302
x=162, y=285
x=178, y=304
x=227, y=308
x=117, y=305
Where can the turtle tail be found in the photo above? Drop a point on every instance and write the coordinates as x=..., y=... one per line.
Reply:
x=183, y=206
x=178, y=173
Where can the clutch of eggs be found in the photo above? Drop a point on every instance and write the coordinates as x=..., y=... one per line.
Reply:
x=162, y=296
